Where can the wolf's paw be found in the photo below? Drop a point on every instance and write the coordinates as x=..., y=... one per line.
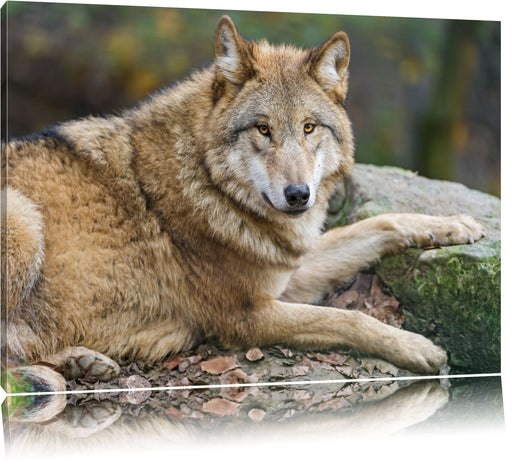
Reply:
x=80, y=421
x=418, y=354
x=46, y=399
x=85, y=364
x=416, y=402
x=458, y=229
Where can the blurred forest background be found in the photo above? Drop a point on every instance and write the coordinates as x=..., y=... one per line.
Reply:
x=424, y=94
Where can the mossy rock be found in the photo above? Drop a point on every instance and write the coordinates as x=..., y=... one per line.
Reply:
x=452, y=293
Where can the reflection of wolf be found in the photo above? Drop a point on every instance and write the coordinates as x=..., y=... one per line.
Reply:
x=196, y=216
x=105, y=424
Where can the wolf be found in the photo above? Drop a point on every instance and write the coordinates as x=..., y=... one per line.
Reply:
x=197, y=216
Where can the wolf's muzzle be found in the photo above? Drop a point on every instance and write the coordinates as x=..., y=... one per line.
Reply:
x=297, y=194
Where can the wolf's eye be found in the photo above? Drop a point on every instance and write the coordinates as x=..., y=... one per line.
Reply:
x=263, y=129
x=309, y=128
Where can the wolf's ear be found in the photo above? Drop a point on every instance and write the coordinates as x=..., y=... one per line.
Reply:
x=329, y=65
x=232, y=51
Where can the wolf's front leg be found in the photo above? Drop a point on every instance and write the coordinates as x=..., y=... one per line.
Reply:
x=311, y=326
x=342, y=252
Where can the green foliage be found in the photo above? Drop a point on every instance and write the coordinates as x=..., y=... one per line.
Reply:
x=19, y=404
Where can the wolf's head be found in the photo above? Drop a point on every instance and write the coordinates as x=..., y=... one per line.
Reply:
x=281, y=116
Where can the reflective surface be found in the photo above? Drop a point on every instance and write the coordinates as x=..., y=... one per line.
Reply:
x=215, y=420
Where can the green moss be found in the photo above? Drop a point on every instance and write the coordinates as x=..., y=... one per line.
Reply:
x=457, y=290
x=18, y=404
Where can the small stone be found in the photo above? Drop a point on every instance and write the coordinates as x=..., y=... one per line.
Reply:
x=220, y=407
x=386, y=367
x=368, y=365
x=254, y=354
x=218, y=365
x=256, y=415
x=173, y=362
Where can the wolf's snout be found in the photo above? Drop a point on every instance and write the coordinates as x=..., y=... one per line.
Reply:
x=297, y=194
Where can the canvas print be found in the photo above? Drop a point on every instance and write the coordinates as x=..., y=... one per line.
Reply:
x=199, y=206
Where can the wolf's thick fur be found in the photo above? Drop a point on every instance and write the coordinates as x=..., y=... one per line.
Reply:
x=196, y=216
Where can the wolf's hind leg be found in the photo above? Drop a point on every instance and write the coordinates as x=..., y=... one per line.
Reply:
x=23, y=249
x=44, y=379
x=342, y=252
x=83, y=363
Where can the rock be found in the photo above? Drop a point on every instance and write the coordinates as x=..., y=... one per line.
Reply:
x=256, y=415
x=218, y=365
x=450, y=293
x=254, y=354
x=136, y=396
x=221, y=407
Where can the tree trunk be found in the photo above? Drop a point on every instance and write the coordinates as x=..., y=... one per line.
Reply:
x=442, y=128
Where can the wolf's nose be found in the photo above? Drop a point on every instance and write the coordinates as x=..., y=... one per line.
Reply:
x=297, y=194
